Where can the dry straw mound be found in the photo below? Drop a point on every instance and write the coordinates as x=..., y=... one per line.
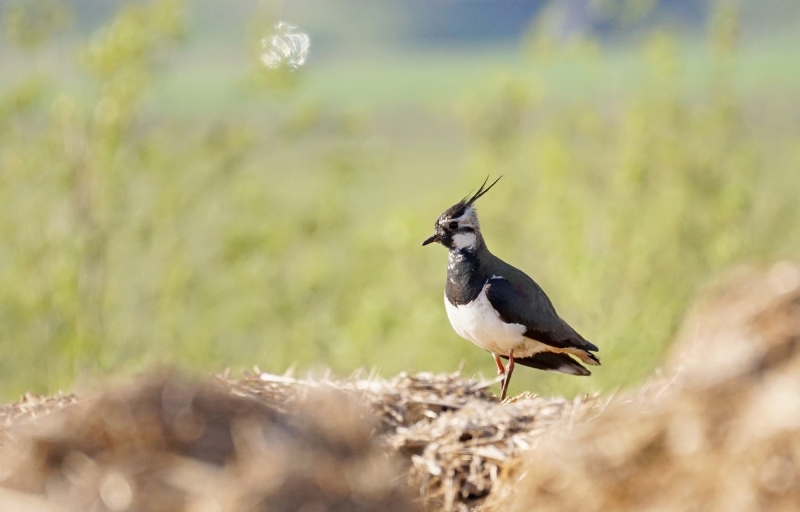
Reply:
x=460, y=440
x=167, y=444
x=269, y=442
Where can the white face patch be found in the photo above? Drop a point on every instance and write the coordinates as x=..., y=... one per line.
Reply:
x=464, y=240
x=468, y=214
x=468, y=219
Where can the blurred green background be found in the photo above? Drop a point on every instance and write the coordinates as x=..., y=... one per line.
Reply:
x=164, y=198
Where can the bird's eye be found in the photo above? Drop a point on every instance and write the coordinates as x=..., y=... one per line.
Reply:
x=453, y=225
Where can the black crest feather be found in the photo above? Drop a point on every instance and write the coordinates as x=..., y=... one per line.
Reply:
x=458, y=209
x=467, y=201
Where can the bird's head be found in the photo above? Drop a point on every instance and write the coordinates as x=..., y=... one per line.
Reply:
x=458, y=227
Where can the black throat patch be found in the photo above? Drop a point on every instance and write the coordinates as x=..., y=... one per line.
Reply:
x=465, y=279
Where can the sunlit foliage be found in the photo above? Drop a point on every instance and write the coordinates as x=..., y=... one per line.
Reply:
x=132, y=236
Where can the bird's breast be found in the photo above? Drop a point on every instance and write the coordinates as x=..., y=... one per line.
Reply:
x=478, y=322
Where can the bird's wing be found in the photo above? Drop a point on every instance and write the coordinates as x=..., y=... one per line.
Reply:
x=529, y=306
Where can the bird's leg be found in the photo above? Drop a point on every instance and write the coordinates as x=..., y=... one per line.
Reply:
x=509, y=370
x=499, y=363
x=500, y=369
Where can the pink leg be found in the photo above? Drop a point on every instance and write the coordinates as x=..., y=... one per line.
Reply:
x=500, y=369
x=509, y=371
x=499, y=363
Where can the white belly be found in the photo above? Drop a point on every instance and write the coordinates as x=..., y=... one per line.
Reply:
x=479, y=323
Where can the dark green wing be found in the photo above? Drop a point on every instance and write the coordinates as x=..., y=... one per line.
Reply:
x=529, y=306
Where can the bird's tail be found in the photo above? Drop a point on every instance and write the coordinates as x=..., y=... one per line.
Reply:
x=553, y=362
x=585, y=356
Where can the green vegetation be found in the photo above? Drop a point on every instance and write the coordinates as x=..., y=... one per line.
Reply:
x=153, y=210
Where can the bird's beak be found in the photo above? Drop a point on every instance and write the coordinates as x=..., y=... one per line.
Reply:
x=434, y=238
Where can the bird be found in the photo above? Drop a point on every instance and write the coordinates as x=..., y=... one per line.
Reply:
x=498, y=307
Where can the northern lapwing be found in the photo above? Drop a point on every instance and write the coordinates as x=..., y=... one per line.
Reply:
x=498, y=307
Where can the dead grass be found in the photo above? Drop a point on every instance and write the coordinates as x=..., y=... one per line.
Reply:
x=459, y=439
x=163, y=442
